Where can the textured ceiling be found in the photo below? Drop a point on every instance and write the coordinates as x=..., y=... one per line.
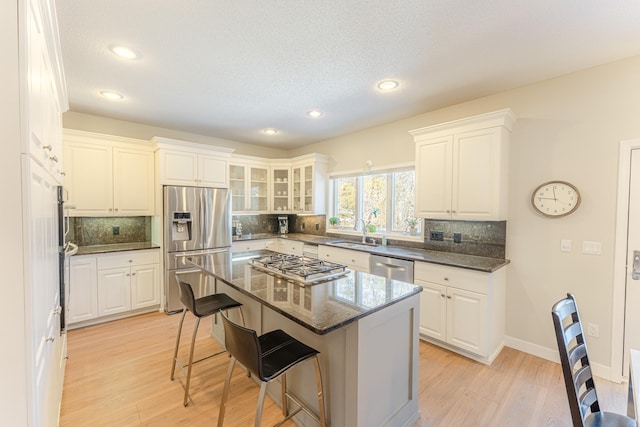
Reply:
x=229, y=69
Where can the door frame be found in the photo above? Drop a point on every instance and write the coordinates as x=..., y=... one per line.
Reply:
x=620, y=258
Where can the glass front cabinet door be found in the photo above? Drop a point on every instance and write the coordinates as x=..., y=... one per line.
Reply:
x=249, y=188
x=281, y=190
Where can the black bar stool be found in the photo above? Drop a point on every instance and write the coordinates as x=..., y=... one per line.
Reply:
x=268, y=356
x=201, y=307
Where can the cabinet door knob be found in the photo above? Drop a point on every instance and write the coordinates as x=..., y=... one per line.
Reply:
x=133, y=274
x=446, y=279
x=449, y=296
x=442, y=295
x=51, y=339
x=47, y=147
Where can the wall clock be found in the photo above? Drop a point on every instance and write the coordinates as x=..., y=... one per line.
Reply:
x=555, y=198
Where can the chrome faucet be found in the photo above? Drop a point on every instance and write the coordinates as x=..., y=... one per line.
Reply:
x=364, y=229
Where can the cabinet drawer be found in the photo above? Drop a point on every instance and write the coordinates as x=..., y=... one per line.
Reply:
x=475, y=281
x=251, y=245
x=128, y=258
x=354, y=259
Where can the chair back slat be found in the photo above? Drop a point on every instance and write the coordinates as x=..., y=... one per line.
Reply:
x=242, y=343
x=576, y=354
x=574, y=358
x=186, y=296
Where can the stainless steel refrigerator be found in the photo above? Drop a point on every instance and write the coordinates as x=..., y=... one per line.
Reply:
x=197, y=222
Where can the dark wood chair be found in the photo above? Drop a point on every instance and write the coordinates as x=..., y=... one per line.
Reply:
x=200, y=308
x=578, y=378
x=268, y=357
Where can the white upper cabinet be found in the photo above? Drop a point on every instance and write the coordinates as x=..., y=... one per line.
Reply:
x=107, y=175
x=279, y=186
x=190, y=164
x=461, y=168
x=309, y=186
x=249, y=185
x=45, y=87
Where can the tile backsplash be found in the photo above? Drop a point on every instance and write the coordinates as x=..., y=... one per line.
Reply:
x=308, y=224
x=89, y=231
x=481, y=238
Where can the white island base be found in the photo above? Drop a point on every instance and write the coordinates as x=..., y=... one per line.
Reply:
x=369, y=366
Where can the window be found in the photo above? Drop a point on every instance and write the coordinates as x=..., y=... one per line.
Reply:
x=384, y=200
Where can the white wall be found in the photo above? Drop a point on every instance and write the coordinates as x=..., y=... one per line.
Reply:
x=568, y=128
x=90, y=123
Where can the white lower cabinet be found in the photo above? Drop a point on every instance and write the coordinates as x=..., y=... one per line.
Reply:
x=82, y=302
x=462, y=309
x=115, y=283
x=356, y=260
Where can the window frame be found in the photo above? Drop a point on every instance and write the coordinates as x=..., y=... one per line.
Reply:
x=359, y=202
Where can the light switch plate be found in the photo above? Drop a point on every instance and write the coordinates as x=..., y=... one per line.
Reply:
x=565, y=245
x=593, y=248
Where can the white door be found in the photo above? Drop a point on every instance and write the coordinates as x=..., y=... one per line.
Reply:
x=433, y=310
x=466, y=320
x=144, y=286
x=212, y=172
x=132, y=182
x=114, y=291
x=632, y=315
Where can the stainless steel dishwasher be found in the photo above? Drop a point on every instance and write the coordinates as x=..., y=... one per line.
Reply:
x=391, y=268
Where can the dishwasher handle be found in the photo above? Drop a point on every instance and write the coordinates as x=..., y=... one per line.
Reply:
x=390, y=266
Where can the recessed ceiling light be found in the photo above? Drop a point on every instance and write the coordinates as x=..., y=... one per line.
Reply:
x=315, y=114
x=114, y=96
x=123, y=52
x=270, y=131
x=388, y=85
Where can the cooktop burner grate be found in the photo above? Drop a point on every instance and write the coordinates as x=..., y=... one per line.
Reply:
x=299, y=268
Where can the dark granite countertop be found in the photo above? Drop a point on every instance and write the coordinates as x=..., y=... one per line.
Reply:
x=471, y=262
x=321, y=307
x=116, y=247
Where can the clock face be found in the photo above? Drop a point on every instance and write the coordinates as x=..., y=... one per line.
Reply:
x=555, y=198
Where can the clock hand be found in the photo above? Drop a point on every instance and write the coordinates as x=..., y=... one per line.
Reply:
x=546, y=198
x=554, y=193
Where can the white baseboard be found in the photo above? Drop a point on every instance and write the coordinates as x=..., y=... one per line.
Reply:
x=551, y=354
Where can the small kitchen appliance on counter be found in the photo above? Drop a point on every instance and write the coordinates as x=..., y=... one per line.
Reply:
x=283, y=225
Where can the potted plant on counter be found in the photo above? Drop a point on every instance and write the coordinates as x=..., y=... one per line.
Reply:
x=334, y=221
x=412, y=224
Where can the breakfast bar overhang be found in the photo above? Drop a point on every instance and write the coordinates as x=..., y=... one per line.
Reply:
x=365, y=327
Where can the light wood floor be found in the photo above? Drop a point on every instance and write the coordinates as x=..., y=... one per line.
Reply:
x=118, y=375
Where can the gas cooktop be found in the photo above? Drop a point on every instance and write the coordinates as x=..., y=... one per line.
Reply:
x=301, y=269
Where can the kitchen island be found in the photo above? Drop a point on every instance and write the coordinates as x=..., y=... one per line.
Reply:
x=365, y=327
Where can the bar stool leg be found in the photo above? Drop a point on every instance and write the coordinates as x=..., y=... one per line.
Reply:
x=316, y=363
x=263, y=392
x=175, y=352
x=225, y=391
x=193, y=343
x=285, y=408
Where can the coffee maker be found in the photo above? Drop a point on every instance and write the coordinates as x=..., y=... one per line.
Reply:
x=283, y=225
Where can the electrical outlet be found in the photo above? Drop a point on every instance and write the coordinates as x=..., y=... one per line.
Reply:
x=436, y=235
x=115, y=230
x=593, y=330
x=457, y=237
x=302, y=226
x=317, y=226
